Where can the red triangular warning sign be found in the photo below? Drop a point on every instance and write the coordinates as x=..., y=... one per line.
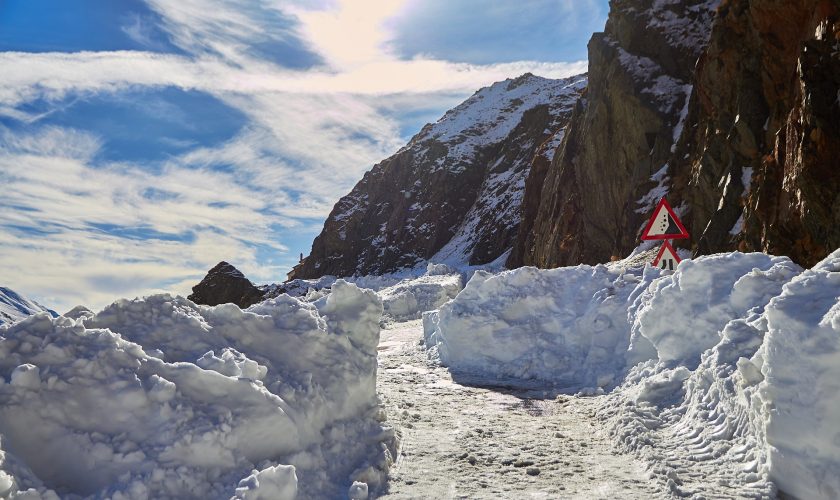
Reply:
x=667, y=257
x=664, y=224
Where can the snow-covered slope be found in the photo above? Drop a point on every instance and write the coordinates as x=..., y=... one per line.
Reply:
x=14, y=307
x=723, y=374
x=454, y=193
x=161, y=398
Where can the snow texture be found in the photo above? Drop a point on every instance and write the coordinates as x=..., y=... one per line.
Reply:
x=565, y=325
x=410, y=298
x=491, y=114
x=162, y=398
x=14, y=307
x=405, y=294
x=727, y=369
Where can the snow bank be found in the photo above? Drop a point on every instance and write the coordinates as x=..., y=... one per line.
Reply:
x=405, y=295
x=799, y=396
x=728, y=369
x=682, y=314
x=568, y=326
x=410, y=298
x=162, y=398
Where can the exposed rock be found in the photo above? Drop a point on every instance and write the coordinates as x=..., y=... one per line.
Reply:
x=226, y=284
x=453, y=194
x=730, y=109
x=760, y=169
x=755, y=164
x=621, y=134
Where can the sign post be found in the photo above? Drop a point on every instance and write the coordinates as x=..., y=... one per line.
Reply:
x=665, y=225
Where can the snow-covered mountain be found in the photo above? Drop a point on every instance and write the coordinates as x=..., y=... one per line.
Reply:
x=14, y=307
x=454, y=193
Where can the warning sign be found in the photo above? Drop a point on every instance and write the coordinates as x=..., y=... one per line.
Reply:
x=664, y=224
x=667, y=257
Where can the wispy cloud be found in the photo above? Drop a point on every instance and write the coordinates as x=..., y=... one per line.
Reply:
x=56, y=204
x=323, y=90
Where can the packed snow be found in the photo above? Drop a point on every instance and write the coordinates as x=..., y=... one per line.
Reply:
x=722, y=376
x=405, y=295
x=460, y=439
x=162, y=398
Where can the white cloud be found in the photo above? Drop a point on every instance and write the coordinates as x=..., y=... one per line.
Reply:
x=310, y=135
x=51, y=190
x=361, y=21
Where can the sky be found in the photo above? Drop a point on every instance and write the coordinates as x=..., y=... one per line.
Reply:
x=143, y=141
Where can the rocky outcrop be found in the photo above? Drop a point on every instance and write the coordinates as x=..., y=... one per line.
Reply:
x=226, y=284
x=730, y=109
x=760, y=165
x=592, y=199
x=453, y=194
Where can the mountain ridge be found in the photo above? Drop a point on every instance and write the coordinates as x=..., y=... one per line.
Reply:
x=453, y=192
x=15, y=307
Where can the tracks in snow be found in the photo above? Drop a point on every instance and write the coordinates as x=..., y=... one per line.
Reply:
x=462, y=441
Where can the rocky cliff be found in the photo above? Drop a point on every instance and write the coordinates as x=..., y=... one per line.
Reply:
x=593, y=197
x=730, y=109
x=760, y=164
x=454, y=193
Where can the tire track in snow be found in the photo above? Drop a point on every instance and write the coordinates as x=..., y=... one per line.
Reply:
x=471, y=442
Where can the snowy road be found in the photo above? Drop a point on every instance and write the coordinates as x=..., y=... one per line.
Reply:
x=462, y=441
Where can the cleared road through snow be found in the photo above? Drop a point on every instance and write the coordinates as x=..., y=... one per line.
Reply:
x=467, y=441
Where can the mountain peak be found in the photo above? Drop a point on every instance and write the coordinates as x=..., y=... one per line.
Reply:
x=453, y=193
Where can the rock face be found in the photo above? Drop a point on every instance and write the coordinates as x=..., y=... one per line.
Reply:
x=226, y=284
x=730, y=109
x=453, y=194
x=591, y=201
x=761, y=167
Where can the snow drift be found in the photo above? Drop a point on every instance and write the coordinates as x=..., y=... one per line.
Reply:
x=161, y=398
x=566, y=325
x=405, y=295
x=725, y=374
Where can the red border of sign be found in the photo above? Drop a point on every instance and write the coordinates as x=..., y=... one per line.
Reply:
x=666, y=244
x=682, y=235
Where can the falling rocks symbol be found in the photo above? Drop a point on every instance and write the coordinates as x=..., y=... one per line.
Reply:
x=665, y=225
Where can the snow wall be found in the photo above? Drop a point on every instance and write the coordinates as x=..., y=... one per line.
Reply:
x=162, y=398
x=405, y=295
x=730, y=364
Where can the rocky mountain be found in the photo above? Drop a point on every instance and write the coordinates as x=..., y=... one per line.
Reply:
x=593, y=198
x=453, y=193
x=14, y=307
x=730, y=109
x=759, y=164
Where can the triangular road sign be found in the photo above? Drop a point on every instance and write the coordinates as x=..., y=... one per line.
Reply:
x=664, y=224
x=667, y=257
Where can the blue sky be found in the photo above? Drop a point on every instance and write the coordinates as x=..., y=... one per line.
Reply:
x=142, y=141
